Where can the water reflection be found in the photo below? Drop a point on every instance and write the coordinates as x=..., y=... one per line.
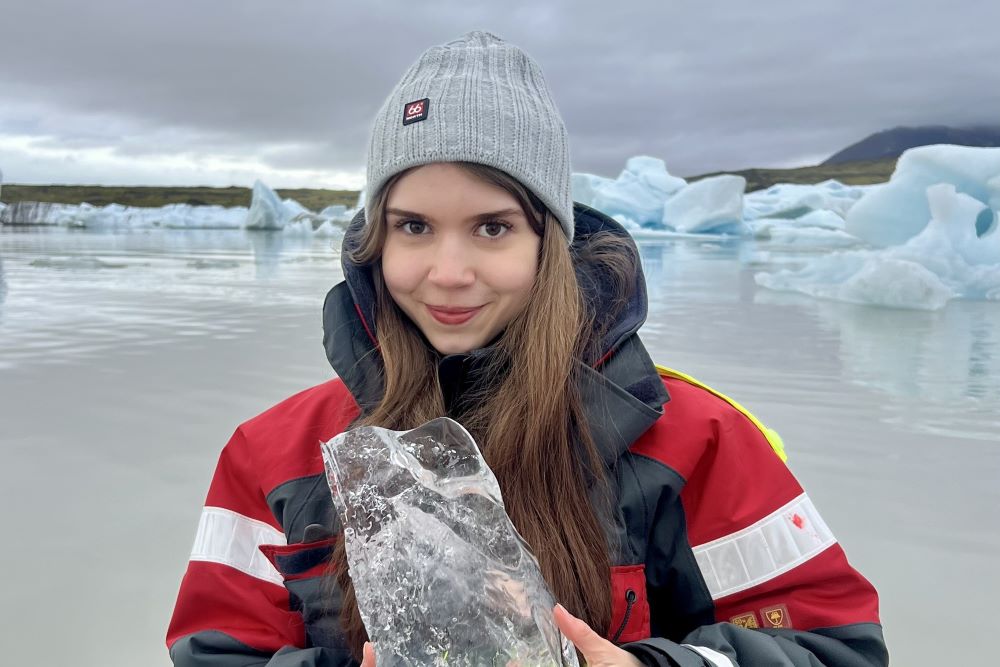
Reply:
x=951, y=355
x=945, y=355
x=3, y=290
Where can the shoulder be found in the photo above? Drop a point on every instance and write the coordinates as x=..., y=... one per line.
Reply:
x=698, y=422
x=282, y=442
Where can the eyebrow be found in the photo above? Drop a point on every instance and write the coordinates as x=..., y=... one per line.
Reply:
x=478, y=217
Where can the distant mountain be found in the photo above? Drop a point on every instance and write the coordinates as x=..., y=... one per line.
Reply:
x=892, y=143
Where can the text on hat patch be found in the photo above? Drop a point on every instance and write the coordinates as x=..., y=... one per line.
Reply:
x=416, y=111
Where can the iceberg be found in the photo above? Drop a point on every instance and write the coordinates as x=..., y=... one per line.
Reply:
x=820, y=229
x=792, y=200
x=713, y=204
x=116, y=216
x=894, y=212
x=267, y=212
x=441, y=575
x=947, y=260
x=638, y=193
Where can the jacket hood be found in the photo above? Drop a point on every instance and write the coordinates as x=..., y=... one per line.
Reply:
x=624, y=387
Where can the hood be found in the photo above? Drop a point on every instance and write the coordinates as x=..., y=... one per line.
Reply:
x=623, y=391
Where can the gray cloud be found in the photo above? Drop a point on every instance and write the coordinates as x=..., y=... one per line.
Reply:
x=292, y=86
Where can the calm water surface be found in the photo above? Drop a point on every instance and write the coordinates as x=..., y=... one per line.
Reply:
x=127, y=359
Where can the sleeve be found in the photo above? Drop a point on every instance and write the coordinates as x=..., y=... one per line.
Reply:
x=233, y=608
x=780, y=587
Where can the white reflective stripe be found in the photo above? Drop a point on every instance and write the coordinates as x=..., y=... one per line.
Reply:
x=774, y=545
x=232, y=539
x=713, y=657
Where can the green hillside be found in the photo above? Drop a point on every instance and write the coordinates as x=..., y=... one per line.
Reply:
x=161, y=196
x=849, y=173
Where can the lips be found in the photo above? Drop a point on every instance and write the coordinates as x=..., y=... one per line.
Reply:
x=451, y=315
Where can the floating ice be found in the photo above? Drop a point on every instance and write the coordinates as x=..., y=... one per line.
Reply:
x=335, y=211
x=896, y=211
x=946, y=260
x=781, y=233
x=791, y=200
x=819, y=229
x=116, y=216
x=266, y=209
x=441, y=576
x=267, y=212
x=712, y=204
x=637, y=194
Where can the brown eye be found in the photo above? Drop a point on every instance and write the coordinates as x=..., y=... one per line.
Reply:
x=493, y=229
x=413, y=226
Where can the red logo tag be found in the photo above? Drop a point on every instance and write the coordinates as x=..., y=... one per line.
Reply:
x=416, y=111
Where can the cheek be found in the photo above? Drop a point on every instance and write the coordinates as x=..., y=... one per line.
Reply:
x=514, y=279
x=401, y=274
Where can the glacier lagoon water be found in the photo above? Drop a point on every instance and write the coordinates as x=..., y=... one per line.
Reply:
x=127, y=359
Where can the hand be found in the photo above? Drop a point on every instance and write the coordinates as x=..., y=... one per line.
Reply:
x=369, y=655
x=596, y=650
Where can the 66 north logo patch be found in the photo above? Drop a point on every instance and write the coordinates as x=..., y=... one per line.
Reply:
x=416, y=111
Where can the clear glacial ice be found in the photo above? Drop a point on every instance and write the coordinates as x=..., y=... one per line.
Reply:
x=441, y=575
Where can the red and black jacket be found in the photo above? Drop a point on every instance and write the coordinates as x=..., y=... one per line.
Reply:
x=719, y=557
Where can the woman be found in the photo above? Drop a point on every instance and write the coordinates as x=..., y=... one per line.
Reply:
x=662, y=517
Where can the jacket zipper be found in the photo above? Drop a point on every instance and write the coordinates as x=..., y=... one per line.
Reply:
x=629, y=601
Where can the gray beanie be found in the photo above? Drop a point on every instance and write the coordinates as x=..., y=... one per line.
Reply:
x=475, y=99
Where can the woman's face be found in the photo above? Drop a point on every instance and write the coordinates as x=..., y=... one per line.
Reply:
x=460, y=257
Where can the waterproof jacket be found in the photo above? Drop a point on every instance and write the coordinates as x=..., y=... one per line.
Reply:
x=719, y=559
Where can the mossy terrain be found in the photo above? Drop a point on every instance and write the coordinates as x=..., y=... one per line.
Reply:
x=852, y=173
x=849, y=173
x=160, y=196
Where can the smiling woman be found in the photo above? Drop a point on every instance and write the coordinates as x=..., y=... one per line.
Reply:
x=661, y=517
x=459, y=256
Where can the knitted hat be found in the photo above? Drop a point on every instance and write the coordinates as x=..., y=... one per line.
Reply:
x=475, y=99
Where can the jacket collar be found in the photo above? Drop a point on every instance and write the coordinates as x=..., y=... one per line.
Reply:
x=623, y=395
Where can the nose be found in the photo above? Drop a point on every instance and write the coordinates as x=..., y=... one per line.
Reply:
x=452, y=265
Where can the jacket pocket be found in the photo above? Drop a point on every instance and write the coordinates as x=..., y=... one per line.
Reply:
x=629, y=604
x=299, y=561
x=305, y=568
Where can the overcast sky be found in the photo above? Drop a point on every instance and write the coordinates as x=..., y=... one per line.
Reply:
x=220, y=92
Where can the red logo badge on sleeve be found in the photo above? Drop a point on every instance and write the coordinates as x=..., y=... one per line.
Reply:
x=416, y=111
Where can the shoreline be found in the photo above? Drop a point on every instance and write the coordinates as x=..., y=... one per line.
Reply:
x=315, y=199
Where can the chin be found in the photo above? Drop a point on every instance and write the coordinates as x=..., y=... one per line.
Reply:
x=453, y=348
x=455, y=345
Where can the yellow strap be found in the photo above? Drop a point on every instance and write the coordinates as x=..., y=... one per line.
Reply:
x=772, y=436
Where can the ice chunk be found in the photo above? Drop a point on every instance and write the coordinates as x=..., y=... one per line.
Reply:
x=335, y=212
x=820, y=229
x=637, y=194
x=269, y=212
x=116, y=216
x=788, y=200
x=266, y=209
x=948, y=259
x=780, y=232
x=713, y=204
x=441, y=575
x=898, y=210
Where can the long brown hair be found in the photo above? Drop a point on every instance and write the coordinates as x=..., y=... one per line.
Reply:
x=529, y=423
